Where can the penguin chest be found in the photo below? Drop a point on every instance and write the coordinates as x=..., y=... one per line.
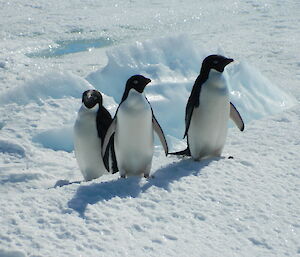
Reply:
x=87, y=146
x=208, y=127
x=134, y=134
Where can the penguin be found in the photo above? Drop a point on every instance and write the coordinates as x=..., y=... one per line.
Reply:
x=133, y=128
x=208, y=110
x=90, y=128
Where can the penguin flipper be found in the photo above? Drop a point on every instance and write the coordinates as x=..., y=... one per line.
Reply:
x=188, y=117
x=160, y=133
x=193, y=102
x=110, y=131
x=236, y=117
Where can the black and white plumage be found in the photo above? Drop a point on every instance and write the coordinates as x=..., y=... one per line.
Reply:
x=208, y=110
x=90, y=128
x=133, y=129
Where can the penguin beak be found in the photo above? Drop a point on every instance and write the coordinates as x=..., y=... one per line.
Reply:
x=225, y=62
x=148, y=81
x=90, y=101
x=228, y=60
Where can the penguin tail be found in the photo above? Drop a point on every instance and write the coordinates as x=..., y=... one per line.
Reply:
x=185, y=152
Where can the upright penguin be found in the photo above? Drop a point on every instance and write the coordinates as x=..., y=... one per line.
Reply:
x=133, y=127
x=90, y=128
x=208, y=110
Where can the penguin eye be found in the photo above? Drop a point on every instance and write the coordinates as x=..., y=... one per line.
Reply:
x=215, y=62
x=135, y=82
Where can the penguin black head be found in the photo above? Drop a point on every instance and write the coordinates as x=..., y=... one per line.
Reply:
x=137, y=82
x=216, y=62
x=91, y=97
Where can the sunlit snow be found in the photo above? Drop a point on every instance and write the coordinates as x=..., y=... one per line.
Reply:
x=52, y=51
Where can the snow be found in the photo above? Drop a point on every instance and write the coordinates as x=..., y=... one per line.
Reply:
x=52, y=51
x=51, y=85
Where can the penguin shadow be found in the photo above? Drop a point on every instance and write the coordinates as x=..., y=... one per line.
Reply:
x=165, y=176
x=131, y=187
x=63, y=182
x=104, y=191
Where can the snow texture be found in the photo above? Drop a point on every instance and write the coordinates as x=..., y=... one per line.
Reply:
x=51, y=51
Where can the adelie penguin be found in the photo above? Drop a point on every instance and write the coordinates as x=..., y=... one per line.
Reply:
x=90, y=128
x=133, y=128
x=208, y=110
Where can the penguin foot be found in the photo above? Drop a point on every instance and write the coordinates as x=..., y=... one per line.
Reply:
x=185, y=152
x=230, y=157
x=148, y=177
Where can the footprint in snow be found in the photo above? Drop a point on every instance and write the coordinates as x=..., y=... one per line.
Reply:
x=12, y=148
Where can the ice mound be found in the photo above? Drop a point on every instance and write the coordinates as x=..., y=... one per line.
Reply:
x=255, y=95
x=58, y=139
x=173, y=64
x=51, y=85
x=171, y=59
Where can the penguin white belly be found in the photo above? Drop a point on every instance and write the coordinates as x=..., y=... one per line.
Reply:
x=134, y=135
x=87, y=145
x=209, y=122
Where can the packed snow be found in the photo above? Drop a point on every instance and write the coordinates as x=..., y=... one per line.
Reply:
x=50, y=52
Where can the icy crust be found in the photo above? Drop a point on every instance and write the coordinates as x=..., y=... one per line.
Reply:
x=245, y=207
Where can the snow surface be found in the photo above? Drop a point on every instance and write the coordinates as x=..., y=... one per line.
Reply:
x=51, y=51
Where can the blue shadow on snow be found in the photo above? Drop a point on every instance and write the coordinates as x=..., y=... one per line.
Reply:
x=70, y=47
x=130, y=187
